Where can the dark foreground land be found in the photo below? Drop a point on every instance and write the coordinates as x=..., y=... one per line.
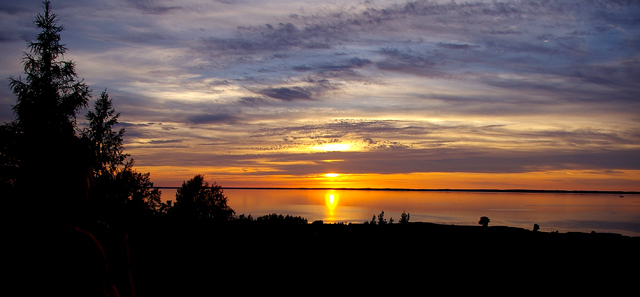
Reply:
x=236, y=259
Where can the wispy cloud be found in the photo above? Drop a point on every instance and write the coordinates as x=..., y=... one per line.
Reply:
x=409, y=86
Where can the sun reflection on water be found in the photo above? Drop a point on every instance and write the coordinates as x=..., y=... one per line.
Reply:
x=331, y=201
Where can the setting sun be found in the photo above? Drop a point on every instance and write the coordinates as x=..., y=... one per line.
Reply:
x=332, y=175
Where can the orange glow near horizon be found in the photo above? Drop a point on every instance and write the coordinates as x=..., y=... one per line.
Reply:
x=544, y=180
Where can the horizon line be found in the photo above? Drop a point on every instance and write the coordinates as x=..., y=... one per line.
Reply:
x=426, y=190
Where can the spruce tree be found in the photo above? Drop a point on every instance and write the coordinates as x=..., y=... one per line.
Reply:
x=52, y=93
x=106, y=143
x=47, y=153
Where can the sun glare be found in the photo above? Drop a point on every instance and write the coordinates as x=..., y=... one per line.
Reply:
x=332, y=147
x=332, y=175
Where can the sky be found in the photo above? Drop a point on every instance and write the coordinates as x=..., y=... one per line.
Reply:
x=367, y=94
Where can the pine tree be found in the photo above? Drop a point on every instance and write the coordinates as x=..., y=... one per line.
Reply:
x=47, y=152
x=50, y=96
x=118, y=191
x=106, y=143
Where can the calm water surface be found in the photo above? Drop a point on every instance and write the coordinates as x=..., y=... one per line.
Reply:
x=563, y=212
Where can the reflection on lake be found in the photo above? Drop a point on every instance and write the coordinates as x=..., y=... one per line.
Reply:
x=563, y=212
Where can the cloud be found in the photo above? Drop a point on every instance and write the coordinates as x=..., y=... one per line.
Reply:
x=164, y=141
x=416, y=86
x=220, y=118
x=283, y=36
x=455, y=46
x=152, y=6
x=411, y=160
x=253, y=101
x=287, y=94
x=408, y=62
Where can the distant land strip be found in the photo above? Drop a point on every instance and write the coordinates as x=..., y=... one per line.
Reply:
x=431, y=190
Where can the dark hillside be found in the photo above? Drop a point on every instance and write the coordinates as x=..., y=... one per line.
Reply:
x=174, y=261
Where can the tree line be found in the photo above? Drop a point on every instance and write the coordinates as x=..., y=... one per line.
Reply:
x=51, y=167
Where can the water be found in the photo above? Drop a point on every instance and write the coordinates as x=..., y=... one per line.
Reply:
x=563, y=212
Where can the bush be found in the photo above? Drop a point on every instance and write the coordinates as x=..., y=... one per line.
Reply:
x=484, y=221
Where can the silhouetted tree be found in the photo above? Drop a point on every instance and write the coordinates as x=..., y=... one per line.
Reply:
x=105, y=142
x=125, y=195
x=536, y=227
x=381, y=219
x=118, y=190
x=404, y=218
x=9, y=135
x=198, y=200
x=484, y=221
x=138, y=190
x=51, y=94
x=280, y=219
x=47, y=101
x=44, y=140
x=53, y=169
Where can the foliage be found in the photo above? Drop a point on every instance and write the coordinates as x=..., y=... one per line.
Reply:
x=41, y=140
x=118, y=191
x=106, y=143
x=484, y=221
x=9, y=137
x=126, y=194
x=373, y=220
x=381, y=219
x=197, y=200
x=404, y=218
x=280, y=219
x=50, y=96
x=243, y=218
x=138, y=190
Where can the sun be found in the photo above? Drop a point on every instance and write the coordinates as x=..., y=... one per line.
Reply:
x=332, y=174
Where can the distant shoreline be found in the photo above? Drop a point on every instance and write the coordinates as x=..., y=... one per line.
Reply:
x=432, y=190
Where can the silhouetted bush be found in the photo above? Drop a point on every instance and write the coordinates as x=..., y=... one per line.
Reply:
x=484, y=221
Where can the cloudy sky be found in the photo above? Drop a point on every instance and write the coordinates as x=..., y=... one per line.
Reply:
x=423, y=94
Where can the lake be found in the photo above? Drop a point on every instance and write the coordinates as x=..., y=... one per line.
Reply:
x=563, y=212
